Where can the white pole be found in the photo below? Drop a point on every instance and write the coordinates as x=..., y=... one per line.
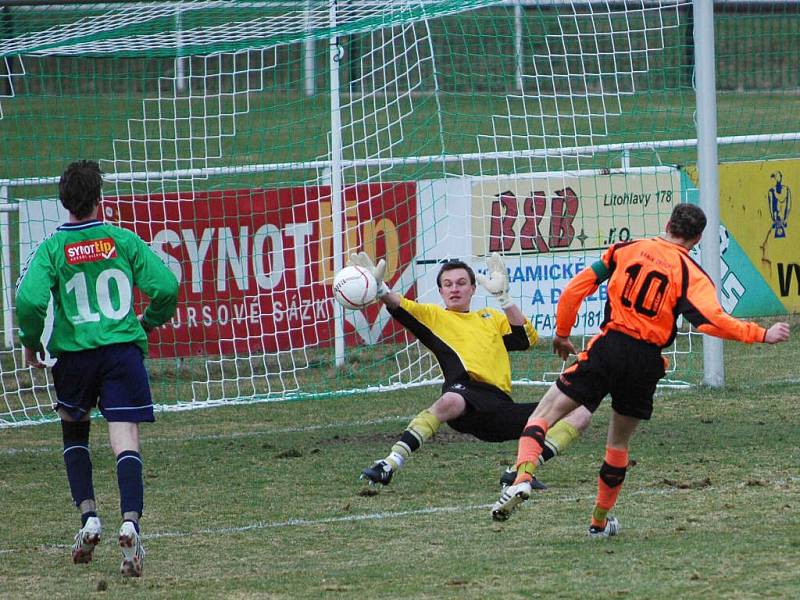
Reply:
x=518, y=42
x=707, y=166
x=309, y=74
x=337, y=204
x=5, y=247
x=180, y=61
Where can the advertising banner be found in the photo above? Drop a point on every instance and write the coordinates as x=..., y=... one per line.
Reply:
x=541, y=280
x=570, y=212
x=551, y=227
x=760, y=270
x=254, y=265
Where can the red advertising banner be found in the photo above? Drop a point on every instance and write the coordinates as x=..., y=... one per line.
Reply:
x=255, y=266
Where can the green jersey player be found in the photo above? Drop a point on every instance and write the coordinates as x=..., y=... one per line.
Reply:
x=90, y=269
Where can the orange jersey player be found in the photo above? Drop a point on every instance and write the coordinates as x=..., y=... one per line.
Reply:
x=650, y=284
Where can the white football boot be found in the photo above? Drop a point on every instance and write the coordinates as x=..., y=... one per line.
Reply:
x=512, y=496
x=611, y=529
x=85, y=541
x=132, y=551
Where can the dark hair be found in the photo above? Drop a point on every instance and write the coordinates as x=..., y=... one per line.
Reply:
x=452, y=265
x=79, y=188
x=687, y=221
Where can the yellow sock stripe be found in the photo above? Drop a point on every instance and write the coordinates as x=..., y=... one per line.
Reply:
x=561, y=436
x=402, y=449
x=417, y=435
x=599, y=516
x=525, y=472
x=423, y=426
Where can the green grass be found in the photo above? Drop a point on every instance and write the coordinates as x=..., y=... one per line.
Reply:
x=262, y=136
x=315, y=375
x=263, y=501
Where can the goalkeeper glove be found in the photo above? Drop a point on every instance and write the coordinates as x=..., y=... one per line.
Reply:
x=365, y=262
x=497, y=282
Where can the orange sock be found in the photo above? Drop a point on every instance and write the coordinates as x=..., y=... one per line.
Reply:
x=609, y=484
x=531, y=444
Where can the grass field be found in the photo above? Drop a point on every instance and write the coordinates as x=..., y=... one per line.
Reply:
x=263, y=501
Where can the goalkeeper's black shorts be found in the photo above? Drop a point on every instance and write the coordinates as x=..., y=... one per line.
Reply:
x=491, y=416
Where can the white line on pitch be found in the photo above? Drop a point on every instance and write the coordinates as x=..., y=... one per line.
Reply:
x=292, y=523
x=389, y=515
x=313, y=522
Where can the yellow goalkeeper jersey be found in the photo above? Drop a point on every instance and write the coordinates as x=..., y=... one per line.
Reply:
x=469, y=346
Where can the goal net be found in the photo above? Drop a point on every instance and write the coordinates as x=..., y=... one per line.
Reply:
x=256, y=144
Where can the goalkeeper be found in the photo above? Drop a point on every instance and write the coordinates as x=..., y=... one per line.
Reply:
x=472, y=350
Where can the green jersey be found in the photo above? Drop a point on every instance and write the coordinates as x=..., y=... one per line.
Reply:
x=90, y=269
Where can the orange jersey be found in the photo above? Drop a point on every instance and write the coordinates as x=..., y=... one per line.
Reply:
x=650, y=283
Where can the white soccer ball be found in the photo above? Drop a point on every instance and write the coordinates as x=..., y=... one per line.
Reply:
x=354, y=288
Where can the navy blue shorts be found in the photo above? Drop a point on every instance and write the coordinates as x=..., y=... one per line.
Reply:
x=616, y=364
x=491, y=415
x=113, y=378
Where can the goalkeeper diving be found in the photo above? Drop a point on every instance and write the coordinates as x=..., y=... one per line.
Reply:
x=471, y=347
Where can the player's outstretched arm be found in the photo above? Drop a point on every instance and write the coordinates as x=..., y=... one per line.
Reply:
x=779, y=332
x=389, y=298
x=702, y=309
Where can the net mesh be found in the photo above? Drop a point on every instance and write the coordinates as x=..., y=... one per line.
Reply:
x=465, y=128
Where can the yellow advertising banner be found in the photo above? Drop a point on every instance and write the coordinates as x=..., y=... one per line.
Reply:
x=545, y=214
x=755, y=201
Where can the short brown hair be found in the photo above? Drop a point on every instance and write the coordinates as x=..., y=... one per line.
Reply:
x=687, y=221
x=452, y=265
x=79, y=188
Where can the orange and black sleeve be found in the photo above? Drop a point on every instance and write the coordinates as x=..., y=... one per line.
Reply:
x=580, y=287
x=698, y=303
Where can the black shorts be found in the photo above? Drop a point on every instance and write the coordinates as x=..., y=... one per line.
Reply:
x=491, y=416
x=616, y=364
x=113, y=378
